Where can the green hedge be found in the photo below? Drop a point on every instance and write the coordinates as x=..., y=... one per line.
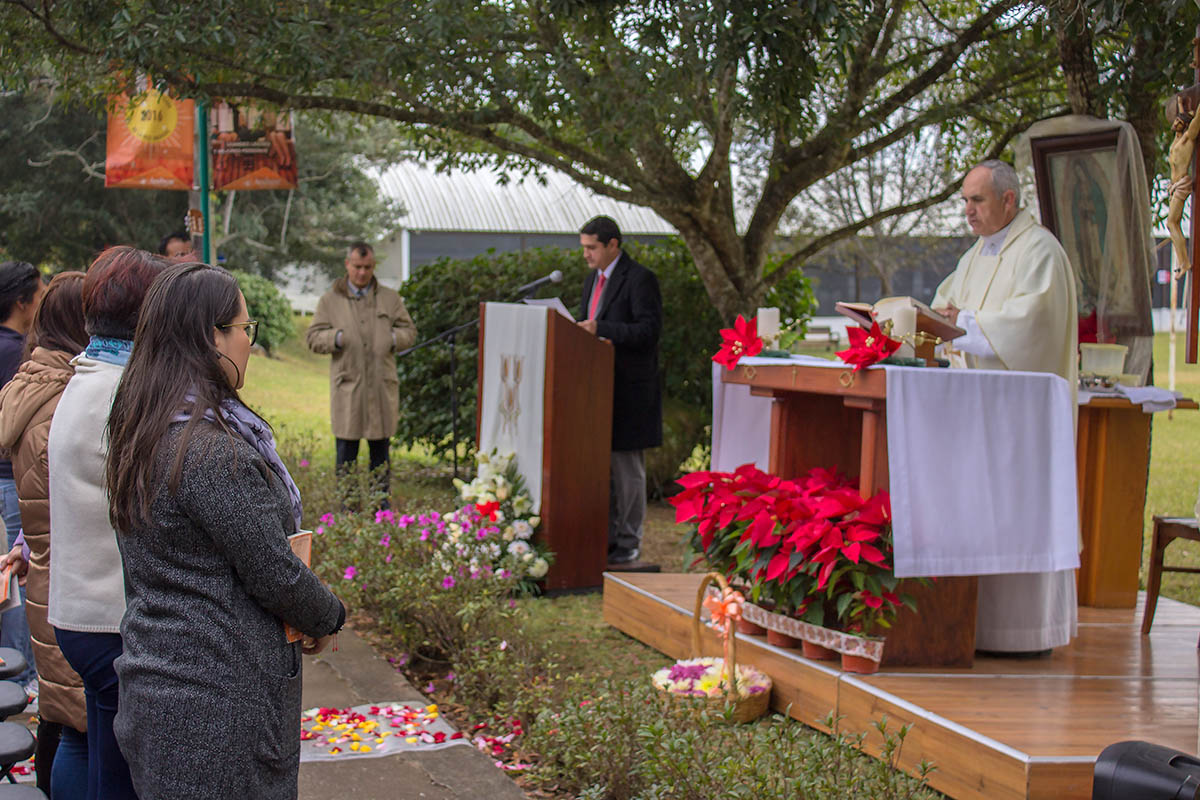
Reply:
x=266, y=303
x=448, y=292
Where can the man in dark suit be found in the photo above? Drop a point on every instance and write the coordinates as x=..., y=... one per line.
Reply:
x=622, y=303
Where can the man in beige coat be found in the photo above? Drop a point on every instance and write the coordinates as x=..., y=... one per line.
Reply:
x=362, y=325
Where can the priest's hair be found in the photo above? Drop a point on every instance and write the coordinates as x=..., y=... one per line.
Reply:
x=1004, y=178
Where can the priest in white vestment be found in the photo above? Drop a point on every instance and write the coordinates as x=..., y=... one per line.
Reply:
x=1013, y=293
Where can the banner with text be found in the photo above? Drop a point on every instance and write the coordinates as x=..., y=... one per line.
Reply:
x=252, y=147
x=151, y=142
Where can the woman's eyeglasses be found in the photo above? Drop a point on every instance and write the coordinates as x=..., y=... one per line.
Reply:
x=249, y=326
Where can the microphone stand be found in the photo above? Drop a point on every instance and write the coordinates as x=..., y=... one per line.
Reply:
x=450, y=336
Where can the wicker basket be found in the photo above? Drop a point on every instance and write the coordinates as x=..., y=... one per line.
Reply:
x=745, y=709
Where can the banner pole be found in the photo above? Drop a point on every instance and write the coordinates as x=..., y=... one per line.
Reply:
x=204, y=180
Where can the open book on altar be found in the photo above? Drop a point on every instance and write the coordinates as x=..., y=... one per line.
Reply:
x=928, y=320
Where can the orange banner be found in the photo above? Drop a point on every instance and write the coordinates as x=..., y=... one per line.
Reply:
x=252, y=147
x=150, y=143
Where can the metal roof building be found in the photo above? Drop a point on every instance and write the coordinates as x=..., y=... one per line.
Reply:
x=461, y=213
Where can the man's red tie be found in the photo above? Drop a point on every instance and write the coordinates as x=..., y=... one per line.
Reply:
x=595, y=301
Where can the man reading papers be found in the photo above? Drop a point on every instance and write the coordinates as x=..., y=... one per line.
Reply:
x=1013, y=293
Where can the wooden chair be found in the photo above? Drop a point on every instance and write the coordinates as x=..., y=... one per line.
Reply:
x=1166, y=530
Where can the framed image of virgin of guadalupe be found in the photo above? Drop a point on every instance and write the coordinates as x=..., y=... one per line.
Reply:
x=1083, y=203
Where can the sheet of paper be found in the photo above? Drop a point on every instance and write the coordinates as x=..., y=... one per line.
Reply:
x=551, y=302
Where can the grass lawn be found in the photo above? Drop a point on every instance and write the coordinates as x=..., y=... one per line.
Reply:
x=1174, y=477
x=291, y=390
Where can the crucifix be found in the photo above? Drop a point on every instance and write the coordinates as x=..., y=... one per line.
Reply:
x=1193, y=329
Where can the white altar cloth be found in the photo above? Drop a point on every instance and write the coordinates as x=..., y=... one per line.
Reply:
x=997, y=489
x=981, y=467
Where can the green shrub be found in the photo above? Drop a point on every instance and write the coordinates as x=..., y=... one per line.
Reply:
x=447, y=293
x=266, y=303
x=689, y=338
x=435, y=581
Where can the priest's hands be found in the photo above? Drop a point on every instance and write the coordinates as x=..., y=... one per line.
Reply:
x=949, y=312
x=588, y=325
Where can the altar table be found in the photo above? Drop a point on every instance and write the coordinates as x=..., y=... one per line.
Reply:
x=1112, y=457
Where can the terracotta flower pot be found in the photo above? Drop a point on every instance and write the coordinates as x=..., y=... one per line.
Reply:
x=860, y=664
x=818, y=652
x=749, y=628
x=780, y=639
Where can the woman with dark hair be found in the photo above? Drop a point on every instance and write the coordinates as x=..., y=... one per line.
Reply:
x=21, y=289
x=203, y=507
x=27, y=405
x=87, y=589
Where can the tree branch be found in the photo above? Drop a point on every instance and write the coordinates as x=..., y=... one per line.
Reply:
x=91, y=169
x=44, y=18
x=821, y=242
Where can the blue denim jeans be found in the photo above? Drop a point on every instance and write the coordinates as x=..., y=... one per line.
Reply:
x=69, y=774
x=92, y=655
x=14, y=628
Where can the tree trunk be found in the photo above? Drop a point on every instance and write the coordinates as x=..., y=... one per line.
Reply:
x=1073, y=31
x=734, y=285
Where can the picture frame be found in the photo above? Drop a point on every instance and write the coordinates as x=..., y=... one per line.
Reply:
x=1081, y=206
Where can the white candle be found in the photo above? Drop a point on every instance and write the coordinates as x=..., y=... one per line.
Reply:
x=768, y=327
x=904, y=323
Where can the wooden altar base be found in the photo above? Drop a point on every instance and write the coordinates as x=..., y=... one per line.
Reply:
x=1005, y=728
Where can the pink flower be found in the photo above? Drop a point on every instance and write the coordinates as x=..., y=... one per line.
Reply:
x=350, y=573
x=385, y=540
x=384, y=516
x=327, y=519
x=320, y=530
x=388, y=560
x=425, y=535
x=447, y=582
x=304, y=462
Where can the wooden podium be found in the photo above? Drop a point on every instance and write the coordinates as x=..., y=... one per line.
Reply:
x=824, y=417
x=576, y=445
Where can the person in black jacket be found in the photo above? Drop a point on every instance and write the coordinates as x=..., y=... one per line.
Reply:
x=21, y=290
x=622, y=303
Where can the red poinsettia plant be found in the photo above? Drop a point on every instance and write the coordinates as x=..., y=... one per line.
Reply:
x=867, y=347
x=813, y=547
x=740, y=340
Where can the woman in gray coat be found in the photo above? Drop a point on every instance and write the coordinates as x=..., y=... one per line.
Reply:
x=209, y=685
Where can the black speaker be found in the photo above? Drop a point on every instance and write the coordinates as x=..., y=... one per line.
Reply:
x=1145, y=771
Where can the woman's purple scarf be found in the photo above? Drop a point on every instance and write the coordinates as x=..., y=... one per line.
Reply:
x=257, y=433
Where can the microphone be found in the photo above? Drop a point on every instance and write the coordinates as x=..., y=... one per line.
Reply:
x=553, y=277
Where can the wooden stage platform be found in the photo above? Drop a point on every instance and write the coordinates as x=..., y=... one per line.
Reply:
x=1006, y=728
